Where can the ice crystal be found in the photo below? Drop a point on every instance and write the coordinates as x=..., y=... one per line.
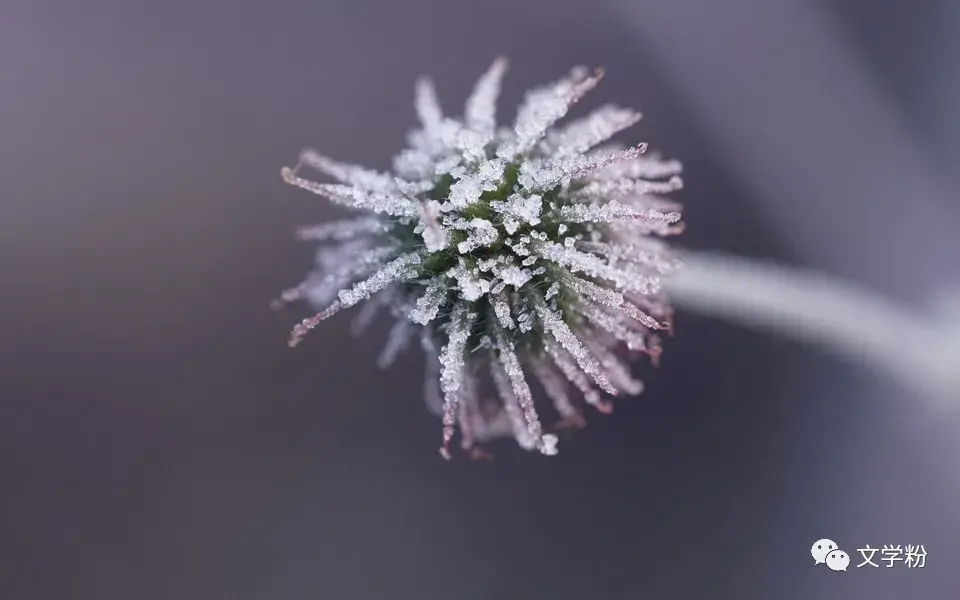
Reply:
x=534, y=243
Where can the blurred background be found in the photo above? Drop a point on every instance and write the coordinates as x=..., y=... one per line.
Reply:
x=158, y=439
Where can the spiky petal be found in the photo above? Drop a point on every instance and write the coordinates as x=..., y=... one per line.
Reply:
x=452, y=373
x=481, y=109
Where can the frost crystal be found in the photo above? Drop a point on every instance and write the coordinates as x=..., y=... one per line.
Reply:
x=535, y=243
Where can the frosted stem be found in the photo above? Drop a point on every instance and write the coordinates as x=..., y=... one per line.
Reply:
x=920, y=349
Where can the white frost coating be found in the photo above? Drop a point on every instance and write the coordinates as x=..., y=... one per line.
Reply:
x=521, y=390
x=515, y=276
x=520, y=247
x=339, y=231
x=622, y=276
x=650, y=254
x=489, y=264
x=611, y=298
x=356, y=198
x=414, y=164
x=561, y=172
x=465, y=192
x=355, y=175
x=346, y=263
x=432, y=396
x=511, y=407
x=428, y=305
x=561, y=358
x=466, y=402
x=501, y=307
x=614, y=324
x=572, y=344
x=472, y=145
x=618, y=373
x=547, y=231
x=394, y=270
x=471, y=286
x=614, y=211
x=435, y=236
x=525, y=321
x=601, y=191
x=482, y=233
x=427, y=104
x=413, y=188
x=571, y=258
x=490, y=172
x=648, y=166
x=452, y=368
x=543, y=107
x=596, y=128
x=523, y=208
x=449, y=166
x=481, y=108
x=555, y=388
x=552, y=291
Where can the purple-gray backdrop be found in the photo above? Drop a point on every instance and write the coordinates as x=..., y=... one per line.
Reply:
x=159, y=441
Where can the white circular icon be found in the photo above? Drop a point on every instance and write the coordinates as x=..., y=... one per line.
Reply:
x=838, y=560
x=820, y=550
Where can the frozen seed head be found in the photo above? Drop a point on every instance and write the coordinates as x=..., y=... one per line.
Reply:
x=538, y=243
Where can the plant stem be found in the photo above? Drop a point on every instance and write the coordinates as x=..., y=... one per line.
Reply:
x=922, y=350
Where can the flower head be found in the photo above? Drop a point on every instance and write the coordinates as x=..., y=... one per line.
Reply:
x=529, y=250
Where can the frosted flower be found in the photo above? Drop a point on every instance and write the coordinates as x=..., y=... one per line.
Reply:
x=525, y=251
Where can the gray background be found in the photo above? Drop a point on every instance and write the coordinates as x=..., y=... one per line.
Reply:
x=158, y=439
